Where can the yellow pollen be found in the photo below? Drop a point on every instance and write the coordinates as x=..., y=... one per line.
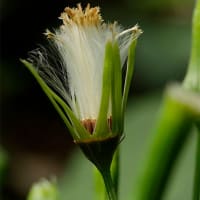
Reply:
x=88, y=16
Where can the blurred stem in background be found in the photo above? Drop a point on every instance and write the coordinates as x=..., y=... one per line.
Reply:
x=179, y=109
x=3, y=168
x=3, y=164
x=192, y=82
x=192, y=78
x=196, y=193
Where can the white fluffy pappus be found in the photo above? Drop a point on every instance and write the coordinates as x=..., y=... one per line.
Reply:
x=80, y=44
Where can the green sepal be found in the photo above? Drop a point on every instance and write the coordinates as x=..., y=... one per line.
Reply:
x=81, y=131
x=116, y=94
x=100, y=153
x=77, y=130
x=129, y=75
x=102, y=128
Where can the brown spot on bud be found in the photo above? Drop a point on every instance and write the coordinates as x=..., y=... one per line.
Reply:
x=90, y=124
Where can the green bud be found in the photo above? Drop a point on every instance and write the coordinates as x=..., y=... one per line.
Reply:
x=43, y=190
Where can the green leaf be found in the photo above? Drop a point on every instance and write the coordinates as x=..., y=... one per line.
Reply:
x=102, y=128
x=100, y=190
x=116, y=91
x=129, y=74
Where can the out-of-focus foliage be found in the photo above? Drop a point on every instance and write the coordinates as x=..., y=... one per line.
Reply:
x=3, y=165
x=157, y=5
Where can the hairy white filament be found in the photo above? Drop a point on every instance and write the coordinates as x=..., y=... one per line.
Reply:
x=81, y=44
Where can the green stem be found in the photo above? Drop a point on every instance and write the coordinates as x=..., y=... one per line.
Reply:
x=109, y=184
x=169, y=136
x=192, y=79
x=196, y=194
x=100, y=153
x=99, y=183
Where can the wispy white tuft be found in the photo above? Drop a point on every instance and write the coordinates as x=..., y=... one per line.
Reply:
x=81, y=42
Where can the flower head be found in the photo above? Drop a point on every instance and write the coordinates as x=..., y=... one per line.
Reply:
x=81, y=73
x=85, y=71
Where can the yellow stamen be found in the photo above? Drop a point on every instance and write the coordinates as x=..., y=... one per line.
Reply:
x=88, y=16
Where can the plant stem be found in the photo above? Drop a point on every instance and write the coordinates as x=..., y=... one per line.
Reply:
x=168, y=138
x=101, y=192
x=192, y=78
x=109, y=184
x=100, y=153
x=196, y=193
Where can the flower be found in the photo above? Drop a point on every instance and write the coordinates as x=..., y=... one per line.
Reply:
x=81, y=72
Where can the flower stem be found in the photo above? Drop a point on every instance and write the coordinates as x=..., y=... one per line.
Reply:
x=196, y=192
x=109, y=184
x=100, y=153
x=101, y=192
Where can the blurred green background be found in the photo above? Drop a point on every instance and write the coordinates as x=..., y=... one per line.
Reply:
x=37, y=143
